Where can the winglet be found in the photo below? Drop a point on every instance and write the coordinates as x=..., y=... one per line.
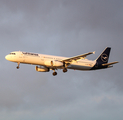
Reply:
x=94, y=52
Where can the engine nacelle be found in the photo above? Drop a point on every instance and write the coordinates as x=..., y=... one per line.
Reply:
x=54, y=63
x=41, y=69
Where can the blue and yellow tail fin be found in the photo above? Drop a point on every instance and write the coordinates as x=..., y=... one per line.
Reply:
x=104, y=56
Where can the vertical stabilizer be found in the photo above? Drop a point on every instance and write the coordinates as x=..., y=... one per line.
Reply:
x=104, y=56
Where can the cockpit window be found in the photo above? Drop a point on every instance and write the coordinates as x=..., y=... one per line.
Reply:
x=12, y=54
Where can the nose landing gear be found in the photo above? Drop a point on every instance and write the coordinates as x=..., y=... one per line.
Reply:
x=18, y=66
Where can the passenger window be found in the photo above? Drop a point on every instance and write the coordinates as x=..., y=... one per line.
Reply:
x=12, y=54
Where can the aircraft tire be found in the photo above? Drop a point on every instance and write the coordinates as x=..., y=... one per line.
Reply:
x=17, y=67
x=65, y=70
x=54, y=73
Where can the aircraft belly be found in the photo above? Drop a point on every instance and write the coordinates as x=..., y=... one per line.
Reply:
x=78, y=67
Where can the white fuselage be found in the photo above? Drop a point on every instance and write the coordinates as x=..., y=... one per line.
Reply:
x=44, y=60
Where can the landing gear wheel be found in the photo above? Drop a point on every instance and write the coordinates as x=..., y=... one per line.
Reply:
x=17, y=67
x=65, y=70
x=54, y=73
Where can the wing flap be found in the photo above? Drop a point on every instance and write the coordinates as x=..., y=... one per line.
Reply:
x=75, y=58
x=110, y=63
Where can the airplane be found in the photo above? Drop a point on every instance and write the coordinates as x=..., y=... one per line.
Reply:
x=45, y=63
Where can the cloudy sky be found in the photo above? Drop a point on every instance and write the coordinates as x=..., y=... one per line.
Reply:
x=64, y=28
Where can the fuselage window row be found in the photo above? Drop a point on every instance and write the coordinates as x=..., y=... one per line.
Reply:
x=12, y=54
x=25, y=53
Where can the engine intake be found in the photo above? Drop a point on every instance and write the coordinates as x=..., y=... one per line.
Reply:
x=41, y=69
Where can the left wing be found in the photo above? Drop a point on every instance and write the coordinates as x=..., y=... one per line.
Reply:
x=110, y=63
x=75, y=58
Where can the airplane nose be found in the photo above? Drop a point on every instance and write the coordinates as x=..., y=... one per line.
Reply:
x=6, y=57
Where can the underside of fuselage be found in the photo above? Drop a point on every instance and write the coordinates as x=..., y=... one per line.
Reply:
x=78, y=67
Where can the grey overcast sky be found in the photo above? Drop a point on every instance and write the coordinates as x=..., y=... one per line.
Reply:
x=64, y=28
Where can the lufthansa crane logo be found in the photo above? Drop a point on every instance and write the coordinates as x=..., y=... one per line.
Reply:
x=104, y=57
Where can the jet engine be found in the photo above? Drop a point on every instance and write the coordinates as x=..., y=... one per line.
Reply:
x=53, y=63
x=41, y=69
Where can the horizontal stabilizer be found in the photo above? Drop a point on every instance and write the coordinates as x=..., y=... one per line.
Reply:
x=109, y=63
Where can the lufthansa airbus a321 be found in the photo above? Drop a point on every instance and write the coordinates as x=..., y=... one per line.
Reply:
x=45, y=63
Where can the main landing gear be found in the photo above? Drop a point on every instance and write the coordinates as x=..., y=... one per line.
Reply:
x=18, y=66
x=65, y=70
x=54, y=73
